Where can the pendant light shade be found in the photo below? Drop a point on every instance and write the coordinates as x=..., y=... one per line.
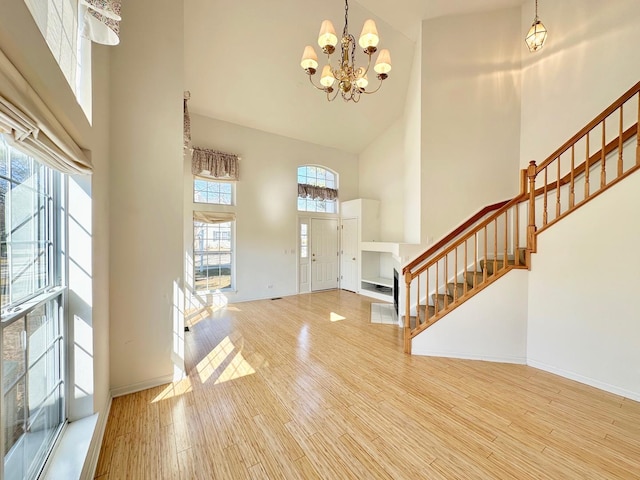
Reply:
x=537, y=34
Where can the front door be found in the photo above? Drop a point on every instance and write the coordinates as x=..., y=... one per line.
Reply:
x=324, y=253
x=349, y=255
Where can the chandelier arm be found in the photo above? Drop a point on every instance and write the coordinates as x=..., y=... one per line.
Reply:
x=366, y=70
x=324, y=89
x=374, y=91
x=331, y=99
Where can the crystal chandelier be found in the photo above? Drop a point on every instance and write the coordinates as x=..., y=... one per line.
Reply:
x=537, y=34
x=351, y=81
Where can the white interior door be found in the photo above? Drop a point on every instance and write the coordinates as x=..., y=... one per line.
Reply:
x=349, y=255
x=324, y=253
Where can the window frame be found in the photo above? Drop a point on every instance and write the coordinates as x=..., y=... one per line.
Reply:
x=315, y=182
x=232, y=256
x=52, y=298
x=215, y=182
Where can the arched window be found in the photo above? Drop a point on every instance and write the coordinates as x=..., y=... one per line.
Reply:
x=317, y=189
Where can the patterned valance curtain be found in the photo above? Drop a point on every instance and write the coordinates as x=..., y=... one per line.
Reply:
x=316, y=193
x=214, y=164
x=101, y=21
x=187, y=120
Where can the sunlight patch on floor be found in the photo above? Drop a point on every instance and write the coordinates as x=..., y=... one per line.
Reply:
x=174, y=389
x=216, y=357
x=237, y=368
x=334, y=317
x=225, y=362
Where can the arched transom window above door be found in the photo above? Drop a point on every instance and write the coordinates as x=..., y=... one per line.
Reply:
x=317, y=189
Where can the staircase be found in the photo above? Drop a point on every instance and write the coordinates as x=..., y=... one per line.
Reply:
x=463, y=288
x=502, y=237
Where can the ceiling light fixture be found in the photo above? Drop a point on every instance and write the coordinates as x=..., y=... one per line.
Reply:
x=352, y=80
x=537, y=34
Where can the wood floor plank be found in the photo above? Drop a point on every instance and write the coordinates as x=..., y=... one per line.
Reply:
x=275, y=389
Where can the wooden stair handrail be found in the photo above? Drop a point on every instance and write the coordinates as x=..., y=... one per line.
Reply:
x=477, y=228
x=593, y=160
x=506, y=204
x=590, y=126
x=453, y=234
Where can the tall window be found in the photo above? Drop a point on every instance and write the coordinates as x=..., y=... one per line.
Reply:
x=317, y=189
x=212, y=255
x=33, y=408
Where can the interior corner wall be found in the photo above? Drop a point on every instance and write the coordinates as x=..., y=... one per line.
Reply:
x=266, y=234
x=100, y=226
x=590, y=59
x=146, y=217
x=413, y=195
x=583, y=295
x=381, y=177
x=470, y=115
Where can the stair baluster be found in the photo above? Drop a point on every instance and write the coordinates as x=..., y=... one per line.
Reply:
x=603, y=161
x=620, y=134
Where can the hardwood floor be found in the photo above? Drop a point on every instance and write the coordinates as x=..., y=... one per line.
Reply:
x=305, y=387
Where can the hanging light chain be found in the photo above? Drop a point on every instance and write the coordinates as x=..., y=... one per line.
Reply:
x=345, y=31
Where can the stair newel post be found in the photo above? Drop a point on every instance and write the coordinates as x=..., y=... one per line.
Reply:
x=407, y=314
x=531, y=228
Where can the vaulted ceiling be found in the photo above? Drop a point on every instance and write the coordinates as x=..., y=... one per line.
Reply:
x=242, y=64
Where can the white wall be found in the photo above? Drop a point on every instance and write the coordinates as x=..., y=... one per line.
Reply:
x=589, y=60
x=381, y=177
x=470, y=115
x=583, y=294
x=146, y=217
x=266, y=212
x=490, y=326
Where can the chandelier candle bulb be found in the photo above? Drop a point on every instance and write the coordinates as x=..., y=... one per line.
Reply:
x=309, y=60
x=383, y=63
x=327, y=39
x=362, y=82
x=369, y=36
x=327, y=78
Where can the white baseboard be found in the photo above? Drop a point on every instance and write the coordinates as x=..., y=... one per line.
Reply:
x=91, y=463
x=586, y=380
x=472, y=356
x=137, y=387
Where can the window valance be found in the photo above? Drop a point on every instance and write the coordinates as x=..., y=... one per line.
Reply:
x=316, y=193
x=214, y=217
x=214, y=164
x=29, y=125
x=101, y=21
